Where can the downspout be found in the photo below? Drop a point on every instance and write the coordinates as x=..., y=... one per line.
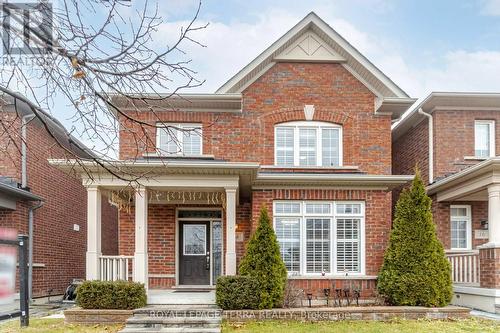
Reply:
x=24, y=184
x=431, y=144
x=30, y=248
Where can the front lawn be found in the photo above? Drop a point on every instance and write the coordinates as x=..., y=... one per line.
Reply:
x=395, y=326
x=56, y=326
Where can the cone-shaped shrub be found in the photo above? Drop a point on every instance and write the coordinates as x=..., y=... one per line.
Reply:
x=263, y=261
x=415, y=270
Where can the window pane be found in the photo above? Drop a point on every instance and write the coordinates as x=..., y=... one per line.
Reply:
x=459, y=234
x=284, y=146
x=192, y=141
x=307, y=146
x=348, y=208
x=330, y=146
x=169, y=142
x=287, y=207
x=194, y=239
x=318, y=208
x=318, y=245
x=482, y=140
x=288, y=234
x=462, y=211
x=348, y=256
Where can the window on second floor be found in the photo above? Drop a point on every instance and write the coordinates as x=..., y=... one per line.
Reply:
x=307, y=143
x=179, y=139
x=484, y=138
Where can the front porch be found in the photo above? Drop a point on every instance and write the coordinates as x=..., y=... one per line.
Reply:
x=467, y=214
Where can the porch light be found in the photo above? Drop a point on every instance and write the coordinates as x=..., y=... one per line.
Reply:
x=484, y=224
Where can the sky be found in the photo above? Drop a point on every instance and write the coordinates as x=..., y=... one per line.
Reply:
x=423, y=46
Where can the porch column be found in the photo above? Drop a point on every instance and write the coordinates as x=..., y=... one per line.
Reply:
x=92, y=268
x=231, y=231
x=494, y=214
x=140, y=273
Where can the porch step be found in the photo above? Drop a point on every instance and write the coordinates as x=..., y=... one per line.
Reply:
x=175, y=319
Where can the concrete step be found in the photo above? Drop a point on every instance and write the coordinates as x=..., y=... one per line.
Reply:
x=174, y=322
x=171, y=330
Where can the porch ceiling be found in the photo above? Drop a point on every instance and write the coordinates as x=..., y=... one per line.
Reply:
x=470, y=184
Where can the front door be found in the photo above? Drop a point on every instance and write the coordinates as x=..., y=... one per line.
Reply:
x=194, y=253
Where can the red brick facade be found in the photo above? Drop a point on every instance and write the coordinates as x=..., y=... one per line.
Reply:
x=278, y=96
x=58, y=250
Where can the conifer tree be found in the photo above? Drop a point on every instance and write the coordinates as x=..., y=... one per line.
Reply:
x=415, y=270
x=263, y=261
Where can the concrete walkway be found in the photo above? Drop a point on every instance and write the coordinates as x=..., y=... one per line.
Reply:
x=181, y=297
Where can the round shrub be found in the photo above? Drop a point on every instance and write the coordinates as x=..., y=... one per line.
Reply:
x=415, y=270
x=118, y=295
x=237, y=292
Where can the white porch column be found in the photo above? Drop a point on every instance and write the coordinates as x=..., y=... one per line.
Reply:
x=140, y=273
x=231, y=231
x=494, y=214
x=93, y=233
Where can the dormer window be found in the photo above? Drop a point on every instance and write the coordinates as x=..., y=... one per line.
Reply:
x=484, y=138
x=179, y=139
x=308, y=144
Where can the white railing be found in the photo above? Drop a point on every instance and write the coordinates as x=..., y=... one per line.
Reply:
x=464, y=267
x=114, y=268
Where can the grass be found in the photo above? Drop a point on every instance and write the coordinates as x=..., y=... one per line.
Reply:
x=56, y=326
x=472, y=325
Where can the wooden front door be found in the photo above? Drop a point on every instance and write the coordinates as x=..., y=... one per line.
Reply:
x=194, y=253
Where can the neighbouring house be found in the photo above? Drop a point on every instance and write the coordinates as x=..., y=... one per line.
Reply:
x=304, y=130
x=44, y=202
x=454, y=138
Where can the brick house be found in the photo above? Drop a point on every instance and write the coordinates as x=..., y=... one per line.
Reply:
x=455, y=140
x=54, y=201
x=304, y=130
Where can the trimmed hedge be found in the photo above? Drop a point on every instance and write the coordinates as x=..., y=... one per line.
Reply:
x=117, y=295
x=237, y=292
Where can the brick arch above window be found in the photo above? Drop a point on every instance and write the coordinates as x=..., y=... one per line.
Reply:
x=297, y=114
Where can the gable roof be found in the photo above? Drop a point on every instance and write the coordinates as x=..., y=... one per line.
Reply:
x=313, y=40
x=456, y=101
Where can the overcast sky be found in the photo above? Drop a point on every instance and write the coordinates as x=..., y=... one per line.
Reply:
x=423, y=46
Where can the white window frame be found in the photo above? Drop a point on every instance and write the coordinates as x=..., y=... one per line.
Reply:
x=332, y=216
x=180, y=137
x=319, y=126
x=468, y=219
x=491, y=125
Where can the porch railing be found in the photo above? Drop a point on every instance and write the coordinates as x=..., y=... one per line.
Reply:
x=114, y=268
x=464, y=267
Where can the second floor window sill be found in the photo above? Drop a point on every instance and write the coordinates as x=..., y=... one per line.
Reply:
x=178, y=156
x=475, y=158
x=309, y=167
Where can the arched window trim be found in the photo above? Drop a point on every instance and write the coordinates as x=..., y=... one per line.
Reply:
x=295, y=127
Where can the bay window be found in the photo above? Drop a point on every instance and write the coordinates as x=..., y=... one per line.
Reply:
x=320, y=237
x=308, y=143
x=484, y=138
x=460, y=220
x=179, y=139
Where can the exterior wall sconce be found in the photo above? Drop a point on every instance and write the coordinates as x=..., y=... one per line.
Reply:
x=484, y=224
